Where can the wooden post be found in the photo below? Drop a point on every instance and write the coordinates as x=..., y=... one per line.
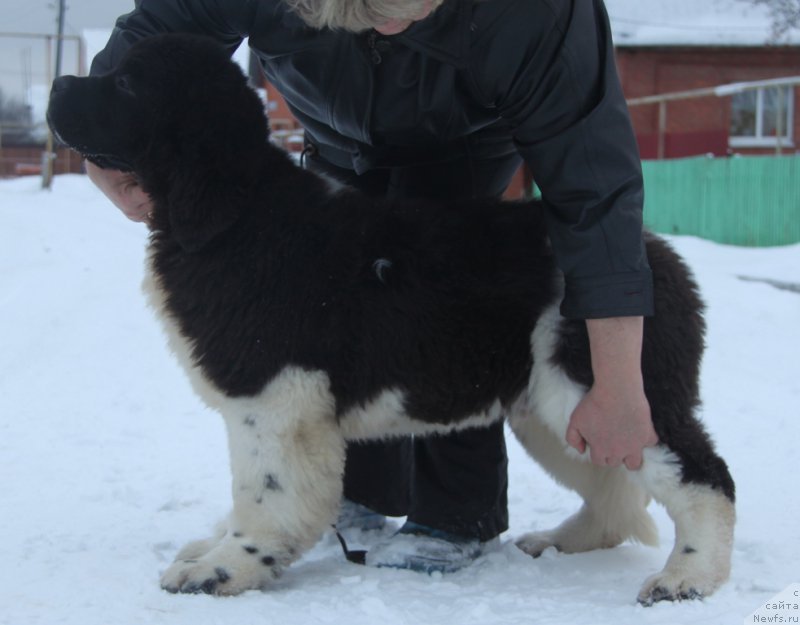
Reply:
x=779, y=123
x=47, y=155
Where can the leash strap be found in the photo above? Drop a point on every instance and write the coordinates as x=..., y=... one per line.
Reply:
x=358, y=556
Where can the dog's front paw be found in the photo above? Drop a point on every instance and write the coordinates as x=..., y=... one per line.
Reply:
x=198, y=548
x=535, y=543
x=230, y=568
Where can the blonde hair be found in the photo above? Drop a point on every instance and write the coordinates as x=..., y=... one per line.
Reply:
x=356, y=15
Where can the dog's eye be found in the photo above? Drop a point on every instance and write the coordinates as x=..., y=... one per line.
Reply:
x=123, y=83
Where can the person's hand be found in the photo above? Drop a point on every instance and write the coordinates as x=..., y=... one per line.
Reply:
x=123, y=190
x=615, y=424
x=613, y=419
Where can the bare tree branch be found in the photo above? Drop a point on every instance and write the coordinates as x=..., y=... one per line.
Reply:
x=785, y=16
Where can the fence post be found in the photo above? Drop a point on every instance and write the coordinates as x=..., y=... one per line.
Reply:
x=662, y=129
x=47, y=155
x=779, y=124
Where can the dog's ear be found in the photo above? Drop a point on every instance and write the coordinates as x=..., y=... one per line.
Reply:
x=214, y=146
x=219, y=155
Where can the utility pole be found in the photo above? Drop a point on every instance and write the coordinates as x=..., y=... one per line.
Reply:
x=49, y=156
x=60, y=41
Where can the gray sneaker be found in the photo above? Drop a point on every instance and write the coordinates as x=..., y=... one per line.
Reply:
x=354, y=516
x=425, y=550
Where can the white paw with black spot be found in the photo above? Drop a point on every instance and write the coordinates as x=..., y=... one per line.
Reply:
x=230, y=568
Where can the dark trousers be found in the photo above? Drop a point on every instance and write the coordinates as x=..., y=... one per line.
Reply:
x=455, y=482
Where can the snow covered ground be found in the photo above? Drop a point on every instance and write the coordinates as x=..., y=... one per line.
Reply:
x=109, y=463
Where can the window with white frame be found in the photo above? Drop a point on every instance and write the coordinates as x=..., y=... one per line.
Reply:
x=762, y=117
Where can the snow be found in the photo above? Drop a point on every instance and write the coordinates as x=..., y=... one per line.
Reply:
x=110, y=463
x=692, y=23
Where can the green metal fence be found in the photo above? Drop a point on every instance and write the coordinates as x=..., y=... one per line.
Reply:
x=742, y=200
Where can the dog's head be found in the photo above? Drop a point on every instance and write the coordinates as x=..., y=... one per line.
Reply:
x=178, y=113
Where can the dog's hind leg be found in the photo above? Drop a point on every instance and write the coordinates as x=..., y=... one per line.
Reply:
x=287, y=461
x=704, y=515
x=614, y=508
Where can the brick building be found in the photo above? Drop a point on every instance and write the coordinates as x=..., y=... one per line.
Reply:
x=666, y=46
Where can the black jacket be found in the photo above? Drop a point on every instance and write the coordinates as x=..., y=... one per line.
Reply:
x=487, y=76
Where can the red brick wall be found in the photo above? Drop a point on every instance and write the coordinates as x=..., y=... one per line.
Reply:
x=649, y=71
x=27, y=161
x=278, y=110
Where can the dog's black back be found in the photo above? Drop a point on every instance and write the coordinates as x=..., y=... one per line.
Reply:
x=409, y=295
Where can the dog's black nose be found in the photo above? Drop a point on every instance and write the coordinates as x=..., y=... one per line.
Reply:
x=62, y=83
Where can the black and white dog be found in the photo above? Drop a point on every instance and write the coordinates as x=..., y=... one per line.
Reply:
x=310, y=317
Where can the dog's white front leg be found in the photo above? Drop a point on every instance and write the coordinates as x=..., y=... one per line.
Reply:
x=287, y=461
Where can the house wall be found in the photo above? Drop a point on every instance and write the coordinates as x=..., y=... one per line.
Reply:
x=27, y=161
x=699, y=125
x=279, y=115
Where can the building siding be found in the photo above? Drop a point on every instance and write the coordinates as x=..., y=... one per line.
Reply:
x=700, y=125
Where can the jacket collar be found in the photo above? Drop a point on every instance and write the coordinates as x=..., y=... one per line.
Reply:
x=444, y=35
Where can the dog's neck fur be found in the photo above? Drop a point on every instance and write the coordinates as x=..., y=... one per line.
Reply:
x=212, y=196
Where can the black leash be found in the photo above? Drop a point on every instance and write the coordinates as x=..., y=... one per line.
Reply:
x=356, y=557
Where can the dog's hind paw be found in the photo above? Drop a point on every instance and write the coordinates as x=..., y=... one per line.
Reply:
x=228, y=569
x=666, y=587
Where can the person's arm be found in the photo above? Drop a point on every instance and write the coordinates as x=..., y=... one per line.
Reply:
x=614, y=416
x=227, y=21
x=553, y=78
x=571, y=125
